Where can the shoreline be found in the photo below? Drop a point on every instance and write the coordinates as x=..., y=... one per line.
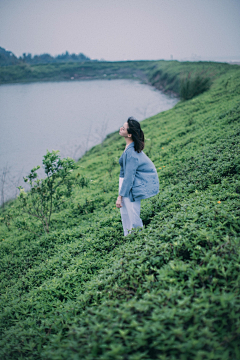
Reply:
x=164, y=75
x=141, y=81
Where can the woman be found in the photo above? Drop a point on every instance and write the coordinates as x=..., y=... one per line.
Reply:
x=138, y=176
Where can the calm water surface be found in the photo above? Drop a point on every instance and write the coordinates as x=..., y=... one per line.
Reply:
x=68, y=116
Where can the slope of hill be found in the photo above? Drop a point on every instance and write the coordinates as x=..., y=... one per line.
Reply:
x=171, y=291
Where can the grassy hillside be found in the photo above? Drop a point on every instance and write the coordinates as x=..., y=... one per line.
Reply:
x=84, y=291
x=169, y=76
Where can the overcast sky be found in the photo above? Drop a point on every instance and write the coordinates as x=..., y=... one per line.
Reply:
x=123, y=29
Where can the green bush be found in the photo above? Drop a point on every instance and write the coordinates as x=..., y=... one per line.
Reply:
x=47, y=195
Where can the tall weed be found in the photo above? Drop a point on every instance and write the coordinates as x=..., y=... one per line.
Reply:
x=193, y=85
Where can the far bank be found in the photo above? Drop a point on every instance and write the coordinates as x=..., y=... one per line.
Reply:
x=163, y=75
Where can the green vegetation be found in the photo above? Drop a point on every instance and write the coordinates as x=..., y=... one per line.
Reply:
x=172, y=76
x=47, y=195
x=191, y=86
x=171, y=291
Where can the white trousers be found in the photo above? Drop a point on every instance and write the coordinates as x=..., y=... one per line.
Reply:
x=130, y=213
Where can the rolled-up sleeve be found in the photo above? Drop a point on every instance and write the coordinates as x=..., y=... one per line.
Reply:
x=129, y=175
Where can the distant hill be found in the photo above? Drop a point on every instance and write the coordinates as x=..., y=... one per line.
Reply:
x=8, y=58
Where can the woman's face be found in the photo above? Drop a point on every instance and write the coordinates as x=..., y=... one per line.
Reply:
x=123, y=130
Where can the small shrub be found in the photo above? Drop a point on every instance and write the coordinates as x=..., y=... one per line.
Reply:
x=46, y=194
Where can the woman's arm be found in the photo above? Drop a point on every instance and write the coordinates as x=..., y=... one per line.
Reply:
x=129, y=174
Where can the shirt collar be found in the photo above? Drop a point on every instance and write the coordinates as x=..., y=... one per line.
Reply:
x=129, y=146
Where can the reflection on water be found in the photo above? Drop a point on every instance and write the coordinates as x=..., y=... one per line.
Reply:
x=69, y=116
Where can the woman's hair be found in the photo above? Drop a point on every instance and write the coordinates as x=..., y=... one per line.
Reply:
x=135, y=130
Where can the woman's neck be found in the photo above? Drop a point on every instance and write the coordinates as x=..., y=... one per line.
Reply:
x=128, y=141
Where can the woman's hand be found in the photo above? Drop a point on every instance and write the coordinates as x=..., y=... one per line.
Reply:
x=119, y=202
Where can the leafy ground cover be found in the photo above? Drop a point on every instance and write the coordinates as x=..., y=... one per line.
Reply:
x=171, y=291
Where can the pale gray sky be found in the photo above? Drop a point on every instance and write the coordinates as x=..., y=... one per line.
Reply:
x=123, y=29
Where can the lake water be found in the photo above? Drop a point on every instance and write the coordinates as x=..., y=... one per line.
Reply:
x=68, y=116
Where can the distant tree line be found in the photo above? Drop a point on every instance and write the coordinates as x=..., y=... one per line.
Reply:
x=8, y=58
